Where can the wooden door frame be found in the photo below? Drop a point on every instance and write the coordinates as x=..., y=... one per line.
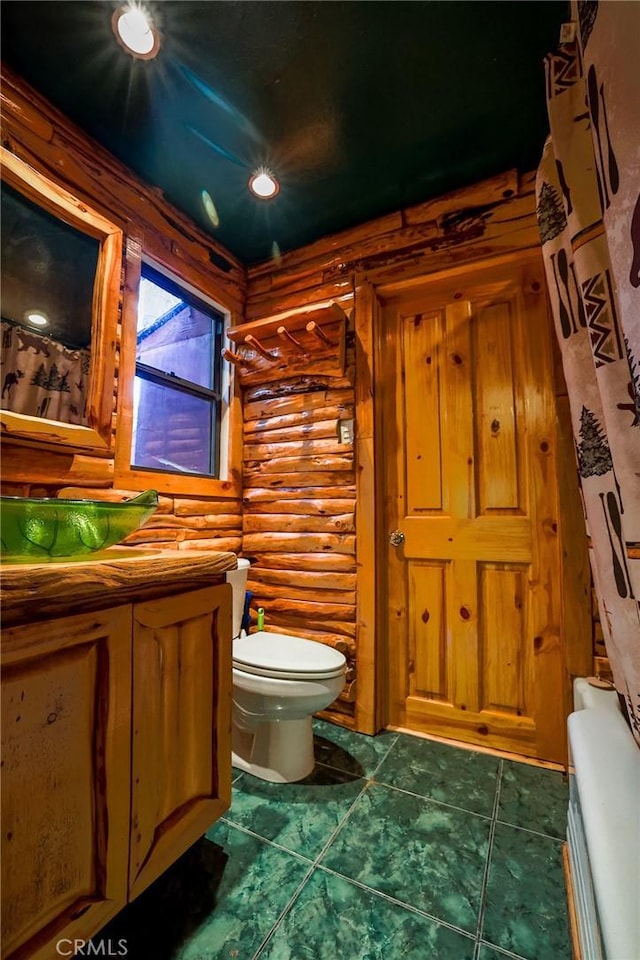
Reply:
x=371, y=534
x=373, y=646
x=573, y=543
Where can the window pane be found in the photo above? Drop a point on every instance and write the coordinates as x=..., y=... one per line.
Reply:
x=172, y=430
x=175, y=336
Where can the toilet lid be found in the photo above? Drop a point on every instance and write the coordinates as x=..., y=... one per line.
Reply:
x=279, y=655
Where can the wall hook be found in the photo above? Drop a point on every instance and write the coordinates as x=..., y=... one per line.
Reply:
x=234, y=358
x=312, y=327
x=251, y=341
x=284, y=333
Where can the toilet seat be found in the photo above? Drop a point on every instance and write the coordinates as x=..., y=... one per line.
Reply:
x=283, y=657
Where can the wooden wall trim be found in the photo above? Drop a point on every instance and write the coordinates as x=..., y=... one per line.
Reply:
x=367, y=715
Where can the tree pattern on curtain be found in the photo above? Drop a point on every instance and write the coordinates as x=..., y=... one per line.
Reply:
x=41, y=377
x=588, y=194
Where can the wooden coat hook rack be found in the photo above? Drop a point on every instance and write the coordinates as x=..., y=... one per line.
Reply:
x=284, y=334
x=319, y=333
x=312, y=341
x=234, y=358
x=251, y=341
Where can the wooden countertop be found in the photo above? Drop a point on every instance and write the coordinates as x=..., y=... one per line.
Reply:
x=37, y=591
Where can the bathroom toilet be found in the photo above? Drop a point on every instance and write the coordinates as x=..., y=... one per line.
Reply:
x=278, y=683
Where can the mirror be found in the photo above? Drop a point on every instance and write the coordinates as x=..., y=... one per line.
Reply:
x=61, y=268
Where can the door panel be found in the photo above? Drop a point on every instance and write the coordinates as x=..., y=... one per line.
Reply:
x=503, y=647
x=496, y=438
x=423, y=445
x=469, y=440
x=428, y=661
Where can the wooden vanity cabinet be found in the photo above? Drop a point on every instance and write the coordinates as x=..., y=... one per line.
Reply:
x=181, y=727
x=116, y=729
x=66, y=752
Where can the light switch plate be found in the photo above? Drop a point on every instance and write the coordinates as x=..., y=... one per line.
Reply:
x=345, y=431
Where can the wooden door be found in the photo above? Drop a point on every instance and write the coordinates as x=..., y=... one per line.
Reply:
x=468, y=420
x=181, y=759
x=66, y=689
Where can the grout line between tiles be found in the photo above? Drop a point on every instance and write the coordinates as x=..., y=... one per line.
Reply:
x=385, y=755
x=271, y=843
x=313, y=866
x=285, y=911
x=345, y=773
x=397, y=903
x=362, y=776
x=487, y=866
x=440, y=803
x=342, y=822
x=538, y=833
x=501, y=951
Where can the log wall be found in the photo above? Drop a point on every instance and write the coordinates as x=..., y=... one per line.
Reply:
x=41, y=136
x=307, y=507
x=490, y=222
x=299, y=499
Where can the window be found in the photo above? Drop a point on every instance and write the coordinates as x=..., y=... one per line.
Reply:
x=178, y=388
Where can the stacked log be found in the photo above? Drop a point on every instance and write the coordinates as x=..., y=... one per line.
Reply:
x=299, y=499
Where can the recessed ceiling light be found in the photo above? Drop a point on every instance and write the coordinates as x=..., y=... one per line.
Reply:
x=135, y=31
x=210, y=208
x=263, y=184
x=36, y=319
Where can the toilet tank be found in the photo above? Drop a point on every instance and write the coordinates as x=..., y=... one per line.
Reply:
x=238, y=580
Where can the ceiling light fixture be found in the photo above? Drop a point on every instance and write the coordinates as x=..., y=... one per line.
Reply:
x=36, y=319
x=210, y=208
x=263, y=184
x=135, y=31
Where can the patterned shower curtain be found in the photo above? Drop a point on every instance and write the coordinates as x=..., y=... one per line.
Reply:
x=41, y=377
x=588, y=195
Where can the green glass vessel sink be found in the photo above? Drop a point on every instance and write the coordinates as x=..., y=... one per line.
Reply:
x=47, y=529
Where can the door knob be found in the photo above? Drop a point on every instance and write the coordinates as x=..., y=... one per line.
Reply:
x=396, y=538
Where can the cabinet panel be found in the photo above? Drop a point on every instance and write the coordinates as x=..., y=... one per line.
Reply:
x=66, y=689
x=181, y=760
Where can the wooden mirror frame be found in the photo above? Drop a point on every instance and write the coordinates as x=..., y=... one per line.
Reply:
x=96, y=436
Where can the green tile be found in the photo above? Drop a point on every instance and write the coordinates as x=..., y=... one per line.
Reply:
x=352, y=752
x=491, y=953
x=299, y=816
x=224, y=895
x=463, y=778
x=526, y=903
x=420, y=852
x=534, y=798
x=336, y=920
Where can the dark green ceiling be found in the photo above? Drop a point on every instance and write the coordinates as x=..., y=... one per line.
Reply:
x=360, y=108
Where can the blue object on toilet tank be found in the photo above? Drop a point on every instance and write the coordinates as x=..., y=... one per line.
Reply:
x=246, y=616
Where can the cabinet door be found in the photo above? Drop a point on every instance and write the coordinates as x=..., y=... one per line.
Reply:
x=181, y=726
x=66, y=689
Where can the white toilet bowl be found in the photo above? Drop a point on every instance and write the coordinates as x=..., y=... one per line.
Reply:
x=278, y=683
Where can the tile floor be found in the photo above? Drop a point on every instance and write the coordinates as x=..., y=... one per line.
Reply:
x=395, y=847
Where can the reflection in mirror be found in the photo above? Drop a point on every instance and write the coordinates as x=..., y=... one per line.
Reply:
x=61, y=282
x=48, y=274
